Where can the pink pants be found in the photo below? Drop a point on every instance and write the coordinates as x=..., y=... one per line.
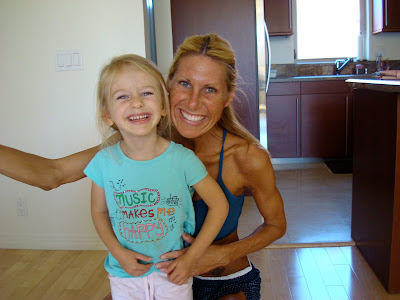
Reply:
x=156, y=286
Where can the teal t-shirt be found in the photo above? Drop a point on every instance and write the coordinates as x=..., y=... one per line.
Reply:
x=149, y=202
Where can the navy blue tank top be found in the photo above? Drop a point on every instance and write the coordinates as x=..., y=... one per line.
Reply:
x=235, y=204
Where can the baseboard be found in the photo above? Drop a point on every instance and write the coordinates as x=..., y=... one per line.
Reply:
x=48, y=242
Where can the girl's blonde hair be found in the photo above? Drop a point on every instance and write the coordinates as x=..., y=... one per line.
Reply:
x=107, y=76
x=217, y=48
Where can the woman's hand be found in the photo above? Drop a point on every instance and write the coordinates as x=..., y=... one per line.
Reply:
x=129, y=261
x=181, y=269
x=213, y=258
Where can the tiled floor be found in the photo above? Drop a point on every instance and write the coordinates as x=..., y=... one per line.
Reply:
x=317, y=205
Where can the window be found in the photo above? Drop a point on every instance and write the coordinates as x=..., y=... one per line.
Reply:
x=327, y=28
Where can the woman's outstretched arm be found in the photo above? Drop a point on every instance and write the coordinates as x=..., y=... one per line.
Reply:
x=42, y=172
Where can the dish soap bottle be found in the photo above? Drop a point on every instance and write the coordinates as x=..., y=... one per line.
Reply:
x=379, y=62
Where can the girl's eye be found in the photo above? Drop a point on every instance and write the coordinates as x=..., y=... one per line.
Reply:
x=122, y=97
x=146, y=94
x=184, y=83
x=210, y=90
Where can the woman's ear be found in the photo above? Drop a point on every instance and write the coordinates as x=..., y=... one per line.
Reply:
x=231, y=96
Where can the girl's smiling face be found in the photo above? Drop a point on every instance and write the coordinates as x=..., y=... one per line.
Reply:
x=198, y=95
x=134, y=105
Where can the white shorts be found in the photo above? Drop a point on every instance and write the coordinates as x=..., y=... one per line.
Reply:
x=156, y=286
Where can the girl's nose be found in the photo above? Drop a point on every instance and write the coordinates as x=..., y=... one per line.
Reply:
x=194, y=100
x=137, y=102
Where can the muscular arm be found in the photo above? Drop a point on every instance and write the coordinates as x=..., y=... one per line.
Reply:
x=257, y=174
x=42, y=172
x=260, y=179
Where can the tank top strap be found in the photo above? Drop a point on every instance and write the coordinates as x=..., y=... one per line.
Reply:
x=221, y=155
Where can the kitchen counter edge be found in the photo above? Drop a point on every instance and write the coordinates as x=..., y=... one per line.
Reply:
x=390, y=86
x=320, y=78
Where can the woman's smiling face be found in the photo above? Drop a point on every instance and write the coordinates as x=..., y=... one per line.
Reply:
x=198, y=95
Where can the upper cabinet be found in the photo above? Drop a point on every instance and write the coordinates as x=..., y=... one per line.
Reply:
x=386, y=16
x=279, y=17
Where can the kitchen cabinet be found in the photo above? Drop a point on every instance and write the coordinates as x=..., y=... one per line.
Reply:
x=386, y=16
x=375, y=222
x=325, y=119
x=309, y=119
x=235, y=21
x=283, y=103
x=279, y=17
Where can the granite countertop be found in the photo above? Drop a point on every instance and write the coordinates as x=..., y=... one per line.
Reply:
x=391, y=86
x=321, y=77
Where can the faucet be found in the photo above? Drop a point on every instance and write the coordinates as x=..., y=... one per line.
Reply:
x=341, y=63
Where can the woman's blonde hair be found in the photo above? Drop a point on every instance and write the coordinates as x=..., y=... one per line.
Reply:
x=107, y=76
x=215, y=47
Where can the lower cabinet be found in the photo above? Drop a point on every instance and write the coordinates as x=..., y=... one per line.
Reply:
x=311, y=121
x=283, y=128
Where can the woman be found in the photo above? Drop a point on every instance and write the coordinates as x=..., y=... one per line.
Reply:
x=202, y=86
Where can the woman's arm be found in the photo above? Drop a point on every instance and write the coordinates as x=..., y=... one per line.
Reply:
x=127, y=259
x=209, y=190
x=42, y=172
x=257, y=171
x=261, y=182
x=258, y=175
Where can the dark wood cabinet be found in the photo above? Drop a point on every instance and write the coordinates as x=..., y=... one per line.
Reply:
x=309, y=119
x=323, y=125
x=279, y=17
x=235, y=21
x=375, y=222
x=283, y=102
x=325, y=119
x=386, y=16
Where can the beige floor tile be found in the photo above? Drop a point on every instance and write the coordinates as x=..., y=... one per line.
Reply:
x=317, y=205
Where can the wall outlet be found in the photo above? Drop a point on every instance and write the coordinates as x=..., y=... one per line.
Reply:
x=22, y=208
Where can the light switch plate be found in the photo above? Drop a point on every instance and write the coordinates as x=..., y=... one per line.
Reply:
x=69, y=60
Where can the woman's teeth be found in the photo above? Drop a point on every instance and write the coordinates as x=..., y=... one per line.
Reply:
x=192, y=118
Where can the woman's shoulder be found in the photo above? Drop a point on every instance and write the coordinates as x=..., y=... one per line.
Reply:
x=248, y=155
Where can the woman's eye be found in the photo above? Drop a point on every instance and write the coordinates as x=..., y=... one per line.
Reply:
x=210, y=90
x=184, y=83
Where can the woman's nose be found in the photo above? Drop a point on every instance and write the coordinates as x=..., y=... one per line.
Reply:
x=194, y=100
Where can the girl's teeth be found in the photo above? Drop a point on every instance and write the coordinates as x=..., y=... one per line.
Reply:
x=192, y=117
x=137, y=118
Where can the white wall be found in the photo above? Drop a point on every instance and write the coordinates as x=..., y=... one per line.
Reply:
x=162, y=16
x=53, y=113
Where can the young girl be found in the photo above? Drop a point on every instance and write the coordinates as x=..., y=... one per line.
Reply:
x=143, y=185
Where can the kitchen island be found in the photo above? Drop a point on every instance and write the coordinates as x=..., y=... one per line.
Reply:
x=376, y=177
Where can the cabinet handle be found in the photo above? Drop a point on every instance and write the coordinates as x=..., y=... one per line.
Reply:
x=386, y=13
x=297, y=127
x=347, y=125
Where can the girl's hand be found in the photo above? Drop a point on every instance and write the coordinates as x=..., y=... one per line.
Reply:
x=129, y=261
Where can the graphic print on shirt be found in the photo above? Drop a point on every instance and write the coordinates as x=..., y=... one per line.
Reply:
x=171, y=201
x=142, y=216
